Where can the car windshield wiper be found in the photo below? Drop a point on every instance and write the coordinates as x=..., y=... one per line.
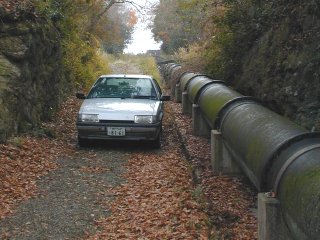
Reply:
x=125, y=97
x=106, y=97
x=143, y=97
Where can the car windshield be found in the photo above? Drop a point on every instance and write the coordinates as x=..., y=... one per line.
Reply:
x=123, y=88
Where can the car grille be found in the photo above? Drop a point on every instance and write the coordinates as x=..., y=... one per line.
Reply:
x=115, y=121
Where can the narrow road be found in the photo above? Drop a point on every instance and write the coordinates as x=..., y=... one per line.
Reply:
x=51, y=189
x=68, y=199
x=74, y=200
x=79, y=199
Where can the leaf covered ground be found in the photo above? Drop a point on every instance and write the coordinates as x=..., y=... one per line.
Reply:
x=26, y=158
x=165, y=194
x=231, y=201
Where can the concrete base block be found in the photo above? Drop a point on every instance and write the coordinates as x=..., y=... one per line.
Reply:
x=178, y=93
x=200, y=127
x=186, y=104
x=270, y=222
x=221, y=159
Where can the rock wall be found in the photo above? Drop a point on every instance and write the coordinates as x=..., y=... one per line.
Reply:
x=32, y=82
x=283, y=66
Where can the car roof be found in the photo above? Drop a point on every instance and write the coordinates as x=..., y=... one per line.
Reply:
x=125, y=76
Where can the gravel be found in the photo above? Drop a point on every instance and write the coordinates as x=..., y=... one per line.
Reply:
x=70, y=199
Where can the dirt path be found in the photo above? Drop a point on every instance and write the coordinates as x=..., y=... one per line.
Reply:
x=120, y=66
x=50, y=189
x=113, y=191
x=69, y=198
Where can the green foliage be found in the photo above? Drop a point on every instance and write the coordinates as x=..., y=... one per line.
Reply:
x=145, y=64
x=192, y=58
x=81, y=56
x=83, y=62
x=148, y=66
x=223, y=31
x=232, y=34
x=119, y=23
x=51, y=9
x=84, y=27
x=176, y=24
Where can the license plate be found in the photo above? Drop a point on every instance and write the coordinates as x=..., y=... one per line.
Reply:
x=116, y=131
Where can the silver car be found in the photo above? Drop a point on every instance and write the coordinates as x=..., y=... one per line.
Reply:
x=122, y=107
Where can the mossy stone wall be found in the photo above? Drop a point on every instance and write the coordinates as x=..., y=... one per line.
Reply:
x=282, y=68
x=32, y=80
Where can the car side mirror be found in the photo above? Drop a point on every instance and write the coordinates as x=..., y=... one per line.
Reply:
x=165, y=98
x=80, y=95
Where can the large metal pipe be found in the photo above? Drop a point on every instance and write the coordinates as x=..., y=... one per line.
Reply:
x=163, y=64
x=212, y=100
x=197, y=85
x=295, y=178
x=254, y=135
x=185, y=79
x=169, y=70
x=275, y=153
x=175, y=83
x=172, y=70
x=166, y=71
x=281, y=156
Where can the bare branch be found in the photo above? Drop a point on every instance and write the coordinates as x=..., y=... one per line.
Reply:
x=96, y=19
x=108, y=5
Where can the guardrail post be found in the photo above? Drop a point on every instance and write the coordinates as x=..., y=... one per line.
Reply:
x=177, y=93
x=186, y=105
x=200, y=127
x=221, y=160
x=270, y=223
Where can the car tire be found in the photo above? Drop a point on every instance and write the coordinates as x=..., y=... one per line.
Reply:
x=157, y=142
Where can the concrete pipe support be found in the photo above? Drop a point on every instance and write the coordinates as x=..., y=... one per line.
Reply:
x=175, y=79
x=200, y=127
x=184, y=81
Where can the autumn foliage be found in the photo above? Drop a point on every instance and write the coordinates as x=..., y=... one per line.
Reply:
x=86, y=28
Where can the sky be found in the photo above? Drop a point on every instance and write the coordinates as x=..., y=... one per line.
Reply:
x=142, y=39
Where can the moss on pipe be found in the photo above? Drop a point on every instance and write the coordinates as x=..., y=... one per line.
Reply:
x=299, y=195
x=255, y=134
x=214, y=98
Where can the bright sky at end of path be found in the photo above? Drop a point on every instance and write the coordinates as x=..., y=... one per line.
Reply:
x=142, y=39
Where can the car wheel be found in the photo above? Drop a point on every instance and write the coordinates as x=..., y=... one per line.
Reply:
x=82, y=142
x=157, y=142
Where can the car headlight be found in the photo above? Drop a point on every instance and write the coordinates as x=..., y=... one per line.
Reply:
x=88, y=118
x=145, y=119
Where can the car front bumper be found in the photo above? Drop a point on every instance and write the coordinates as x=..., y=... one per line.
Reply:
x=132, y=131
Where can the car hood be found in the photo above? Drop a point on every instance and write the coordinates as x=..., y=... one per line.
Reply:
x=119, y=109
